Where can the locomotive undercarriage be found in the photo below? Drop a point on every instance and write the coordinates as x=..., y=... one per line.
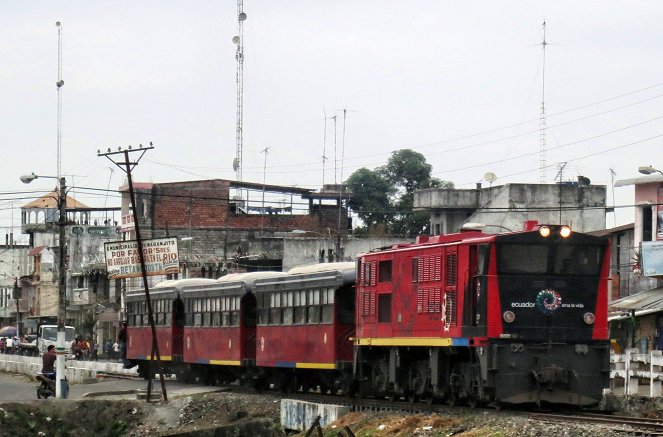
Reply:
x=557, y=373
x=446, y=374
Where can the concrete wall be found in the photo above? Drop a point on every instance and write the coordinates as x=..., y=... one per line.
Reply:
x=305, y=250
x=506, y=207
x=77, y=371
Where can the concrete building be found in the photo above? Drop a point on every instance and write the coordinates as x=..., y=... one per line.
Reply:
x=636, y=319
x=91, y=299
x=506, y=207
x=14, y=263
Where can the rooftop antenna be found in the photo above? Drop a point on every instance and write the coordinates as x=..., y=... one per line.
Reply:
x=238, y=40
x=340, y=189
x=59, y=84
x=560, y=175
x=324, y=147
x=542, y=117
x=335, y=160
x=264, y=172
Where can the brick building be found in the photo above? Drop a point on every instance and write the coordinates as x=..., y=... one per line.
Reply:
x=224, y=226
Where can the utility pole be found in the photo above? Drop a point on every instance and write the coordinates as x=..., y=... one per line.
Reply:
x=18, y=315
x=62, y=284
x=127, y=166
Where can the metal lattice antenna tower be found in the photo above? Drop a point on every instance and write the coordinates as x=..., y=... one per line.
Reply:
x=59, y=84
x=239, y=56
x=542, y=117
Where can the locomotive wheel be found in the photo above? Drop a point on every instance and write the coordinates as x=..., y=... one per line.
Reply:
x=324, y=388
x=412, y=397
x=392, y=396
x=472, y=401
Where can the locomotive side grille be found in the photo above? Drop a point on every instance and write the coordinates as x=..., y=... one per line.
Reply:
x=450, y=314
x=429, y=300
x=422, y=297
x=430, y=268
x=368, y=303
x=437, y=267
x=451, y=269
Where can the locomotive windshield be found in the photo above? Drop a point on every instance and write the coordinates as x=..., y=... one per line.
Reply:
x=557, y=259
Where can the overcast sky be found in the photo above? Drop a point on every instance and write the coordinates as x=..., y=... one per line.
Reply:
x=460, y=82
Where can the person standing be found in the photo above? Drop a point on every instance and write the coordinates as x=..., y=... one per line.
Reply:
x=122, y=338
x=108, y=347
x=116, y=350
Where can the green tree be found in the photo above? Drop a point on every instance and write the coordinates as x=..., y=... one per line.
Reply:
x=386, y=195
x=371, y=193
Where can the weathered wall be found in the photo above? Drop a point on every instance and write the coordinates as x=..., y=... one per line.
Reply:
x=302, y=251
x=508, y=206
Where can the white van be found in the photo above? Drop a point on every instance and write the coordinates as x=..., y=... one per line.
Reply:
x=48, y=335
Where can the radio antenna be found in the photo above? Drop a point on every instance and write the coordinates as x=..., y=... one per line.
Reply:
x=239, y=56
x=59, y=84
x=542, y=117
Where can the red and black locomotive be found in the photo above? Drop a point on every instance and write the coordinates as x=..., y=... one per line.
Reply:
x=511, y=318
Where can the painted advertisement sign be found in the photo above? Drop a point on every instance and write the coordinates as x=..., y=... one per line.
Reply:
x=652, y=258
x=160, y=255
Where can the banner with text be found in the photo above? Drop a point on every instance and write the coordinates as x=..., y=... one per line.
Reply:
x=160, y=255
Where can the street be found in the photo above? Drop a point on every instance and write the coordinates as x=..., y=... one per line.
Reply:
x=22, y=388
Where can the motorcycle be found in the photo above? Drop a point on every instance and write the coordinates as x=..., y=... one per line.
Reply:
x=46, y=387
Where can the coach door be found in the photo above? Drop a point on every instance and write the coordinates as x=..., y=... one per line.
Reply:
x=178, y=328
x=249, y=313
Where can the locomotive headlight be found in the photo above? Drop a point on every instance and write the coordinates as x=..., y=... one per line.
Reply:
x=565, y=231
x=589, y=318
x=509, y=316
x=544, y=231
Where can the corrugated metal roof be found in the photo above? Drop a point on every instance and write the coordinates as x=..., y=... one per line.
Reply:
x=645, y=302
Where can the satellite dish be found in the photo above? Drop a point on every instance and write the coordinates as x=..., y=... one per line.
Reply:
x=235, y=164
x=490, y=177
x=241, y=16
x=235, y=39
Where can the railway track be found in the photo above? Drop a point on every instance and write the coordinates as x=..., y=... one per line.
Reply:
x=623, y=424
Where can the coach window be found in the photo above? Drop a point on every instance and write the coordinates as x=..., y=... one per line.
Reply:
x=288, y=310
x=328, y=305
x=384, y=271
x=263, y=309
x=300, y=307
x=234, y=315
x=275, y=308
x=313, y=301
